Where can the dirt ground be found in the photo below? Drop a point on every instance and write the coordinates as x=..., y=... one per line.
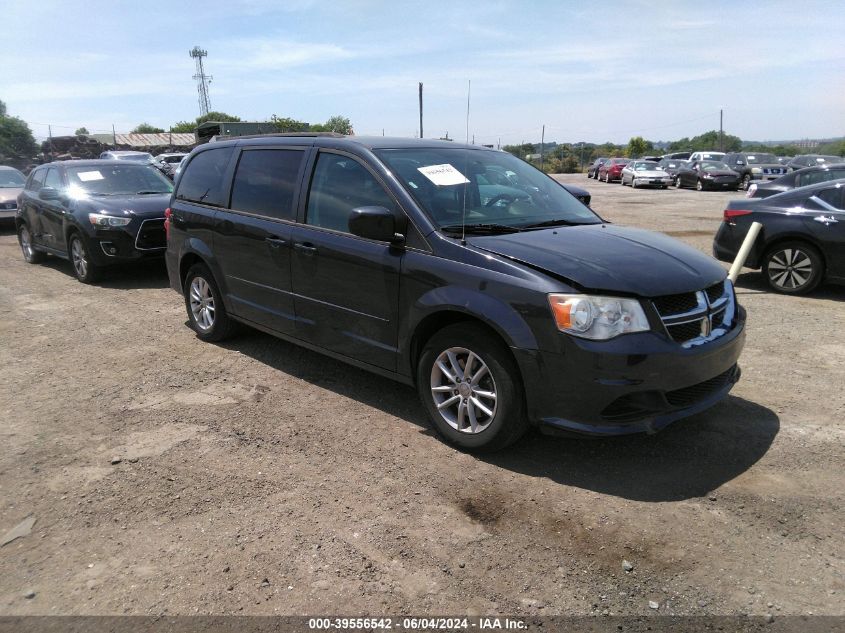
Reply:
x=259, y=478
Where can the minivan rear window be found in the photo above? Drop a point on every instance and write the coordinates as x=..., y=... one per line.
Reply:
x=202, y=180
x=265, y=181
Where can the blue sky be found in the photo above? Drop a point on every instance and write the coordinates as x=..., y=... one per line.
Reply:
x=609, y=71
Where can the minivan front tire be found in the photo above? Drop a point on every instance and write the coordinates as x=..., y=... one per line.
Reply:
x=481, y=409
x=204, y=304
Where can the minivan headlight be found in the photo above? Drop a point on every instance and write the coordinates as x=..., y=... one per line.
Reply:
x=595, y=317
x=100, y=219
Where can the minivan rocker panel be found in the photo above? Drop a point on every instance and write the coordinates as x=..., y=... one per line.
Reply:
x=505, y=312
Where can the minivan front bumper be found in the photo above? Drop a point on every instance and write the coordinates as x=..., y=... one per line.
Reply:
x=635, y=383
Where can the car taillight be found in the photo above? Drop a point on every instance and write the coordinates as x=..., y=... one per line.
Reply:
x=167, y=214
x=730, y=214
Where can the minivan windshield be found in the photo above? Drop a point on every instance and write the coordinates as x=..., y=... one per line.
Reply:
x=119, y=179
x=483, y=189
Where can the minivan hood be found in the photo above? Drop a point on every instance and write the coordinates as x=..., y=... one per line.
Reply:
x=609, y=258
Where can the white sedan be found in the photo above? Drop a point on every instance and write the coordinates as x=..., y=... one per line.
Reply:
x=645, y=173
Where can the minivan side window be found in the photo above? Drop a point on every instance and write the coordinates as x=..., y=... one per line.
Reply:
x=339, y=185
x=202, y=180
x=265, y=181
x=36, y=180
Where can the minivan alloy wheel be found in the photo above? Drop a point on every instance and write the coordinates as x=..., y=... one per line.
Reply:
x=463, y=390
x=202, y=303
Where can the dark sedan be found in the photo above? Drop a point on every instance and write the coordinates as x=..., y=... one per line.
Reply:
x=800, y=178
x=672, y=165
x=802, y=242
x=707, y=174
x=93, y=212
x=593, y=170
x=811, y=160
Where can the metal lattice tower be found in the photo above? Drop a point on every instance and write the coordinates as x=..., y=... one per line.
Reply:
x=202, y=80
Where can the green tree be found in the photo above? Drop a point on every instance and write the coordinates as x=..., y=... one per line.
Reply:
x=16, y=138
x=82, y=130
x=638, y=146
x=708, y=140
x=520, y=151
x=217, y=116
x=338, y=124
x=146, y=128
x=836, y=148
x=286, y=124
x=182, y=127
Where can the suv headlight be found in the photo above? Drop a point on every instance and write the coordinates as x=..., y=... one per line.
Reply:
x=756, y=170
x=100, y=219
x=597, y=318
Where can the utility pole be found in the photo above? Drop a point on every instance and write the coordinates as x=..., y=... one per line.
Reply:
x=113, y=136
x=421, y=111
x=542, y=145
x=202, y=79
x=721, y=134
x=50, y=135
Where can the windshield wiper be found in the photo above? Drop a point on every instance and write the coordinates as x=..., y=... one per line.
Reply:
x=557, y=222
x=480, y=228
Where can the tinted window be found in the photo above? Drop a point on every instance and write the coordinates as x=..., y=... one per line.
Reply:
x=265, y=182
x=53, y=179
x=821, y=176
x=832, y=196
x=339, y=185
x=36, y=179
x=202, y=179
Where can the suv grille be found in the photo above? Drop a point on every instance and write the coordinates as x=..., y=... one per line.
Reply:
x=151, y=235
x=696, y=317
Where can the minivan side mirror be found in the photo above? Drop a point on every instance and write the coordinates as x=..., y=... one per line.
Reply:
x=378, y=223
x=48, y=193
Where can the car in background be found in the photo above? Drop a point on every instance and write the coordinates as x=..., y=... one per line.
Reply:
x=802, y=242
x=593, y=170
x=501, y=314
x=95, y=213
x=611, y=169
x=785, y=160
x=645, y=173
x=754, y=166
x=680, y=155
x=179, y=166
x=167, y=163
x=800, y=178
x=718, y=157
x=141, y=157
x=672, y=165
x=811, y=160
x=582, y=194
x=707, y=174
x=11, y=186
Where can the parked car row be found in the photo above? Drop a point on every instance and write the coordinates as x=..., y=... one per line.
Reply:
x=455, y=268
x=700, y=174
x=165, y=163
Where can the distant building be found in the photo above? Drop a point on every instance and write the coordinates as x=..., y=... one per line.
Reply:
x=143, y=141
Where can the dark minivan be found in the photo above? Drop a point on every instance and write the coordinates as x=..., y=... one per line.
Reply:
x=505, y=305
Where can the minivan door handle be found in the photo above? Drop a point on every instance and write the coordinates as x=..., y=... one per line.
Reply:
x=275, y=242
x=306, y=248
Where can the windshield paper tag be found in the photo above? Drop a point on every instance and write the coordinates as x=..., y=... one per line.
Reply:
x=87, y=176
x=443, y=175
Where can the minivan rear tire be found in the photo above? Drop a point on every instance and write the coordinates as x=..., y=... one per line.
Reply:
x=463, y=341
x=206, y=313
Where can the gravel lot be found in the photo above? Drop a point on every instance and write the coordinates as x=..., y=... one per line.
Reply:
x=257, y=477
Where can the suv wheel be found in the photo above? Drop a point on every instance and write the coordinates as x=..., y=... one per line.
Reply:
x=793, y=268
x=30, y=255
x=85, y=270
x=468, y=383
x=746, y=180
x=206, y=312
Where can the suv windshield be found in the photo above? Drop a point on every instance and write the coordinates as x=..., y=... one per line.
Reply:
x=761, y=159
x=11, y=178
x=483, y=188
x=118, y=180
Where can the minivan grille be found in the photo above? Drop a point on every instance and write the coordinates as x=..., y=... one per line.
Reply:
x=696, y=317
x=688, y=396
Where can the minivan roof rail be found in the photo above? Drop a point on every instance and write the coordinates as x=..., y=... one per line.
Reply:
x=276, y=134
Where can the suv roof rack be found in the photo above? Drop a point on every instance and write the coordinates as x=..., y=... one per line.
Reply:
x=276, y=134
